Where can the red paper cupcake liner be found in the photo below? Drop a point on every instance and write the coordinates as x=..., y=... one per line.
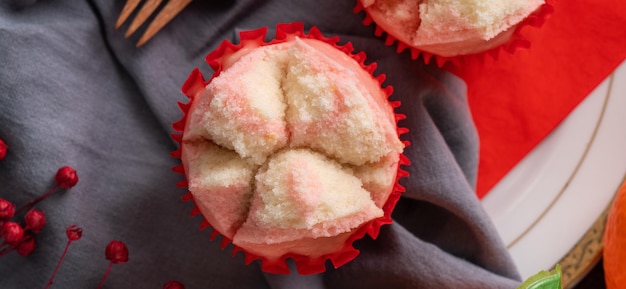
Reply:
x=195, y=83
x=516, y=42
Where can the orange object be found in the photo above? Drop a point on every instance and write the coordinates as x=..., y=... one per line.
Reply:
x=615, y=243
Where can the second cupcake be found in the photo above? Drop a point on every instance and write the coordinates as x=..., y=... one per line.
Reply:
x=449, y=28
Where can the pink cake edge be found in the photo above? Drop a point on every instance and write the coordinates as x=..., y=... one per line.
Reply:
x=516, y=42
x=195, y=82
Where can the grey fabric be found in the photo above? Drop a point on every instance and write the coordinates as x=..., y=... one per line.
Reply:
x=74, y=92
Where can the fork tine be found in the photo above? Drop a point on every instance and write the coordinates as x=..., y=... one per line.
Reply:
x=144, y=13
x=171, y=9
x=129, y=7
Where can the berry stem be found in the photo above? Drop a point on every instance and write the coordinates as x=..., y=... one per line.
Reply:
x=67, y=246
x=106, y=274
x=37, y=200
x=6, y=248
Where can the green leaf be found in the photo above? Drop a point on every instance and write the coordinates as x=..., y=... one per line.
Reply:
x=544, y=280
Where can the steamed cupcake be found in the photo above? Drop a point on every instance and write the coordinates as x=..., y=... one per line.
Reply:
x=291, y=149
x=449, y=28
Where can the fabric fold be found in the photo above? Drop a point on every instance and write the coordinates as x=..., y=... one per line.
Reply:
x=69, y=101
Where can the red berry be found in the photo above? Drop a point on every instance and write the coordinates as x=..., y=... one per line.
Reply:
x=74, y=232
x=173, y=285
x=12, y=233
x=35, y=220
x=26, y=246
x=7, y=209
x=66, y=177
x=3, y=149
x=117, y=252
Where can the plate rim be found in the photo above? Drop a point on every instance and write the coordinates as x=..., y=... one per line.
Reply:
x=574, y=264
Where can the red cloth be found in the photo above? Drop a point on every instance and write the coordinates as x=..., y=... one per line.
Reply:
x=520, y=98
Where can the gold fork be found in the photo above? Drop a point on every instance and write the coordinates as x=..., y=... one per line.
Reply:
x=171, y=9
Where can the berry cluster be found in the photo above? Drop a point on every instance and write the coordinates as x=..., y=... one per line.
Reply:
x=22, y=238
x=15, y=237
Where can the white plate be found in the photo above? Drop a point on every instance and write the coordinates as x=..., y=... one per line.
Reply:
x=550, y=199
